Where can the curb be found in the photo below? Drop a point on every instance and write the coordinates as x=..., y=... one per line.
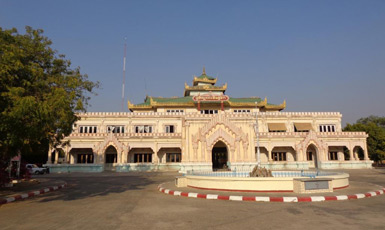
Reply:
x=30, y=194
x=271, y=199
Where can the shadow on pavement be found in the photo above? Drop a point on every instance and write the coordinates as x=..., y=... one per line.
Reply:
x=80, y=186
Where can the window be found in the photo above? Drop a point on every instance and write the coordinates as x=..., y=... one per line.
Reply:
x=209, y=111
x=279, y=156
x=241, y=110
x=173, y=157
x=143, y=129
x=333, y=156
x=327, y=128
x=88, y=129
x=309, y=156
x=175, y=111
x=142, y=158
x=169, y=129
x=115, y=129
x=85, y=159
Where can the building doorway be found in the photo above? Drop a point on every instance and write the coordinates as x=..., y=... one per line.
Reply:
x=312, y=156
x=219, y=156
x=111, y=157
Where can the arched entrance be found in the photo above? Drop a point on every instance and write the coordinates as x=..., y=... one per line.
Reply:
x=111, y=155
x=312, y=156
x=219, y=156
x=358, y=153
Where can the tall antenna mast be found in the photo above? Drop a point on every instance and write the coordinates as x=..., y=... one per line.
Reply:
x=124, y=72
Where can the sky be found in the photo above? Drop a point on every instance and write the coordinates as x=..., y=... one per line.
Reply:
x=319, y=56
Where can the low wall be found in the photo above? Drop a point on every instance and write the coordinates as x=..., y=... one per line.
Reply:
x=257, y=184
x=67, y=168
x=346, y=164
x=129, y=167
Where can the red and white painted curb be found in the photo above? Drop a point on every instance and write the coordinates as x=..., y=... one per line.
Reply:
x=6, y=200
x=272, y=199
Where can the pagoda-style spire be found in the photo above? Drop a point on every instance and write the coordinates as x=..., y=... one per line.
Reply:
x=204, y=71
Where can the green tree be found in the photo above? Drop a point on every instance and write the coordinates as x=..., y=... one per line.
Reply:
x=375, y=128
x=40, y=93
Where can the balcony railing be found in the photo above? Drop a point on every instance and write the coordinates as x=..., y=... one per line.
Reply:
x=130, y=135
x=197, y=114
x=319, y=134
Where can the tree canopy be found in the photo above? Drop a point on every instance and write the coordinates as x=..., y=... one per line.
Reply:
x=40, y=92
x=375, y=127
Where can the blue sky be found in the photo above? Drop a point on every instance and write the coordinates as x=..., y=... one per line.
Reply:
x=318, y=55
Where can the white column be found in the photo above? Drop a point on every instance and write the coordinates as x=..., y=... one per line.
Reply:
x=341, y=156
x=366, y=156
x=350, y=153
x=56, y=156
x=49, y=160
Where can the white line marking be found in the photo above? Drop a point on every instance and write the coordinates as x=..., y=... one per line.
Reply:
x=193, y=194
x=373, y=193
x=236, y=198
x=55, y=187
x=342, y=197
x=262, y=198
x=290, y=199
x=359, y=196
x=211, y=197
x=10, y=199
x=46, y=190
x=166, y=191
x=36, y=192
x=23, y=196
x=177, y=193
x=317, y=198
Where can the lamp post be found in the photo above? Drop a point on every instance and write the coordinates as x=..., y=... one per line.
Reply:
x=257, y=134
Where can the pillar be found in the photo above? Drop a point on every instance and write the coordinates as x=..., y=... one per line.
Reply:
x=269, y=157
x=351, y=153
x=49, y=160
x=366, y=156
x=66, y=152
x=341, y=156
x=203, y=153
x=240, y=158
x=186, y=153
x=56, y=156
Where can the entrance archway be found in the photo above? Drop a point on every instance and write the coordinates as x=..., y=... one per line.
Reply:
x=358, y=153
x=111, y=155
x=312, y=156
x=219, y=156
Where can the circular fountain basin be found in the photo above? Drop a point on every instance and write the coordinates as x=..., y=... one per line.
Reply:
x=282, y=181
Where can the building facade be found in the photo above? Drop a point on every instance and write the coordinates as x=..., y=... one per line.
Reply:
x=208, y=130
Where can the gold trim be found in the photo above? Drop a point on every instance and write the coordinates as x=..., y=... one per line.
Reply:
x=279, y=107
x=204, y=80
x=188, y=88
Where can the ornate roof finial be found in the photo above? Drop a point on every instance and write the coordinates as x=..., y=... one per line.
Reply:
x=204, y=71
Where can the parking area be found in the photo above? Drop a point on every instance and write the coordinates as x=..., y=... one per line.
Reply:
x=131, y=201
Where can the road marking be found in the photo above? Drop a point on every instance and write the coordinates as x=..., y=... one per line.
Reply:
x=290, y=199
x=342, y=197
x=317, y=198
x=236, y=198
x=211, y=197
x=359, y=196
x=177, y=193
x=262, y=198
x=10, y=199
x=193, y=194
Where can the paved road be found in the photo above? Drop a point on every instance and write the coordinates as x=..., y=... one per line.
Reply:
x=131, y=201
